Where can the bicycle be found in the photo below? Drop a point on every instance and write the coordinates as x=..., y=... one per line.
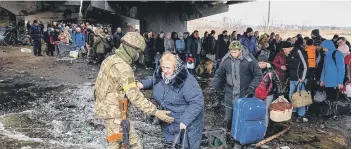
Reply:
x=16, y=35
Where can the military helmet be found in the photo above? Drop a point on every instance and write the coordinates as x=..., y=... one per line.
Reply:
x=235, y=45
x=134, y=40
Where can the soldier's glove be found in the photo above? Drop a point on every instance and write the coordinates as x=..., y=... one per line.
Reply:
x=164, y=116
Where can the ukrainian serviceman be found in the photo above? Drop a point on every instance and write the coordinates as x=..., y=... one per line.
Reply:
x=116, y=82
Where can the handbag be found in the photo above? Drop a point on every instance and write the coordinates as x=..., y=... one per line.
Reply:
x=280, y=110
x=301, y=98
x=320, y=95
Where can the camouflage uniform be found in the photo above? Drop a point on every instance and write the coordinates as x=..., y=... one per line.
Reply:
x=114, y=81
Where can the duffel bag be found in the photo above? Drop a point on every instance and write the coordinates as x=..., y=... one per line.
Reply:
x=301, y=98
x=280, y=110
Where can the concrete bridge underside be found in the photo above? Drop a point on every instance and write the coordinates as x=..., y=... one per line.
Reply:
x=151, y=16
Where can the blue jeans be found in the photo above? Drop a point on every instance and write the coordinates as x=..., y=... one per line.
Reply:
x=293, y=84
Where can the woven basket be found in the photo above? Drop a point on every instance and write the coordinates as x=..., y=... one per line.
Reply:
x=301, y=99
x=280, y=110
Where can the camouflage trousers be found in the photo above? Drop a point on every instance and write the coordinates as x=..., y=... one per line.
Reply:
x=113, y=126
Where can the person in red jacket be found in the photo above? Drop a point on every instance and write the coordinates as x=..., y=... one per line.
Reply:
x=280, y=64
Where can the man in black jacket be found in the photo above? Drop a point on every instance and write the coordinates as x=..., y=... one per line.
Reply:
x=159, y=48
x=209, y=44
x=239, y=74
x=222, y=46
x=194, y=47
x=117, y=37
x=297, y=71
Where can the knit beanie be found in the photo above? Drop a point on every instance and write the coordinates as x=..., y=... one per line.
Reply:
x=262, y=58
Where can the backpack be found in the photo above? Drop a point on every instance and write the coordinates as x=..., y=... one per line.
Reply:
x=262, y=91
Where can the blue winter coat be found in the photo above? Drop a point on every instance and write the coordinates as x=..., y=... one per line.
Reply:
x=184, y=98
x=332, y=74
x=249, y=43
x=78, y=39
x=35, y=32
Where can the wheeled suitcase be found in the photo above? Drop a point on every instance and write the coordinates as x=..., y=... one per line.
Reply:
x=248, y=120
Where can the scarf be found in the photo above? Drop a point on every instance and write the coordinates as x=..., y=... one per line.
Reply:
x=178, y=68
x=128, y=54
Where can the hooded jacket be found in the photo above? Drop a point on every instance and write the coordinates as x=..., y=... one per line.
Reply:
x=249, y=43
x=332, y=74
x=238, y=76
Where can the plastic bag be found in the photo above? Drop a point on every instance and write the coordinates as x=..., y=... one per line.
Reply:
x=26, y=50
x=74, y=54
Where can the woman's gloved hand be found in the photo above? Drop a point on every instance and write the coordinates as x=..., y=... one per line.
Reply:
x=164, y=116
x=182, y=126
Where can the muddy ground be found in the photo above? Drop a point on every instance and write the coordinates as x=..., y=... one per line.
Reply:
x=48, y=104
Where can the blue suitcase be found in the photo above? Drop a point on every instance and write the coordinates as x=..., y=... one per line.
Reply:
x=248, y=120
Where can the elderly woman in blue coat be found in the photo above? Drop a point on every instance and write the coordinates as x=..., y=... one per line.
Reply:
x=176, y=90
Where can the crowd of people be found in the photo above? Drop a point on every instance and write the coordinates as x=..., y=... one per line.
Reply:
x=239, y=64
x=91, y=42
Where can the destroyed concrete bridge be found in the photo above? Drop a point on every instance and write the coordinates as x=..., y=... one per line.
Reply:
x=164, y=16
